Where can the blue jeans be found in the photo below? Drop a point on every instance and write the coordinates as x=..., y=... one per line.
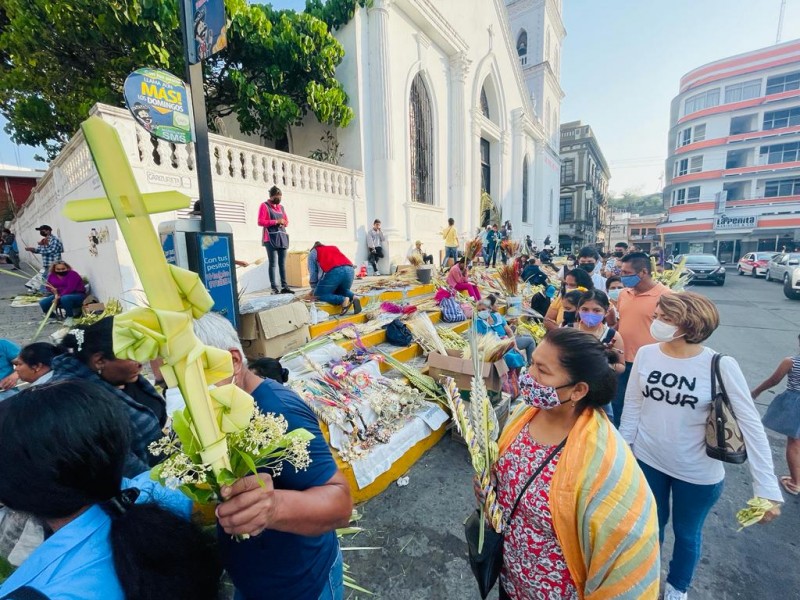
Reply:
x=334, y=589
x=71, y=303
x=691, y=504
x=335, y=285
x=619, y=401
x=450, y=252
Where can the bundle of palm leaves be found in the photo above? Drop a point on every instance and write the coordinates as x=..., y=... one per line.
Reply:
x=508, y=277
x=473, y=249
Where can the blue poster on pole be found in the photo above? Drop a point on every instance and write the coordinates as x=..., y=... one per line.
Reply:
x=207, y=27
x=159, y=103
x=168, y=246
x=211, y=255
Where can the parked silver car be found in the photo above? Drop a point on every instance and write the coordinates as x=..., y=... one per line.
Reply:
x=780, y=268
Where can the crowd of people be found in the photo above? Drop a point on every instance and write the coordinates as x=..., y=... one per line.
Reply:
x=621, y=384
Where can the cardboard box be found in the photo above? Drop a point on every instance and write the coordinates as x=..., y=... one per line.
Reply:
x=452, y=365
x=277, y=346
x=93, y=308
x=297, y=269
x=274, y=332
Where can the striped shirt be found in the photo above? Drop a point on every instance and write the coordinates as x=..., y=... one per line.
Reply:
x=794, y=375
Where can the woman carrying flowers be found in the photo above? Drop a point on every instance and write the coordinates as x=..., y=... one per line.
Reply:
x=586, y=526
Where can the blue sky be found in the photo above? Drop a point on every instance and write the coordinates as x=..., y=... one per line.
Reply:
x=622, y=61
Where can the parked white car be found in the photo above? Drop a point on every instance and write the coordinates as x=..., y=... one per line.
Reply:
x=791, y=284
x=780, y=267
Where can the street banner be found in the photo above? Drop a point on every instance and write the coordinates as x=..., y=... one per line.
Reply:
x=159, y=102
x=207, y=28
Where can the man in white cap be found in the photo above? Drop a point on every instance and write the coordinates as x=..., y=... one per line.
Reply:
x=418, y=251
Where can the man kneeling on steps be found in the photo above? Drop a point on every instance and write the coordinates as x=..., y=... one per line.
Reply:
x=333, y=277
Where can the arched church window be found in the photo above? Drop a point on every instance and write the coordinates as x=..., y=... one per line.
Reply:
x=522, y=43
x=525, y=190
x=421, y=140
x=485, y=104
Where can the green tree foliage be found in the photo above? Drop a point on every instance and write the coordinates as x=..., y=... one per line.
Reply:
x=649, y=204
x=57, y=59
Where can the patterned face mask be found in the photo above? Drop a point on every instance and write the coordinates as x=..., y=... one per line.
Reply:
x=540, y=396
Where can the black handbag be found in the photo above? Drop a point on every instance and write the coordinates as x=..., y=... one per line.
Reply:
x=486, y=565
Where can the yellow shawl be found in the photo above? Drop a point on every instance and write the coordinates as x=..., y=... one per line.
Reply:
x=604, y=513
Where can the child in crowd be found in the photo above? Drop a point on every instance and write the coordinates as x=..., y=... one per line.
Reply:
x=569, y=302
x=783, y=416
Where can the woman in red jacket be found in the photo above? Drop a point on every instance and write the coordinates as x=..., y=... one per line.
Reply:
x=333, y=286
x=272, y=217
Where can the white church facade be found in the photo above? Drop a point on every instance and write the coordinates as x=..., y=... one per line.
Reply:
x=451, y=98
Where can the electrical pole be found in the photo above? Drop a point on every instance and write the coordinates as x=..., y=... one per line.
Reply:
x=205, y=182
x=780, y=22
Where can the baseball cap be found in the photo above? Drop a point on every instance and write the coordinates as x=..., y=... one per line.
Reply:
x=418, y=243
x=40, y=227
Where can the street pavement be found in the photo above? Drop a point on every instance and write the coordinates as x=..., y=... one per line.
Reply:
x=418, y=529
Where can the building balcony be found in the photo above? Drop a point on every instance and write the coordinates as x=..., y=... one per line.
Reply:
x=323, y=201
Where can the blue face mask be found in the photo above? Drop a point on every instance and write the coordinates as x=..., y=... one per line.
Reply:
x=591, y=319
x=630, y=281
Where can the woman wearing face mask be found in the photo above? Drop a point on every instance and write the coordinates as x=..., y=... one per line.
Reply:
x=592, y=310
x=576, y=532
x=614, y=287
x=567, y=267
x=491, y=320
x=575, y=280
x=88, y=355
x=667, y=403
x=272, y=217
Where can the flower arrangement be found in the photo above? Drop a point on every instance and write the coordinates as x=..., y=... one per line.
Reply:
x=264, y=444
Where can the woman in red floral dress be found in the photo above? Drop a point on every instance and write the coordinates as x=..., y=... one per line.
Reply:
x=585, y=528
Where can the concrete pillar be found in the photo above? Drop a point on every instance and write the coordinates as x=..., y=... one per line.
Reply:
x=460, y=199
x=386, y=198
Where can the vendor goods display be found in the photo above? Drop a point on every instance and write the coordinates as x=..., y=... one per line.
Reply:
x=361, y=407
x=473, y=249
x=675, y=279
x=508, y=279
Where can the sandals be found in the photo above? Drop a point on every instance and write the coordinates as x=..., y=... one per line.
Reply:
x=791, y=488
x=355, y=303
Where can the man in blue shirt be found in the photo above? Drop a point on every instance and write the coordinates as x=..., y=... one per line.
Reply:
x=293, y=551
x=8, y=376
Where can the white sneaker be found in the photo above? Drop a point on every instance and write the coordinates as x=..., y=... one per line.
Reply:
x=670, y=593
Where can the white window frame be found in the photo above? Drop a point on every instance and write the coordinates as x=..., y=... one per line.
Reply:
x=747, y=90
x=690, y=199
x=699, y=133
x=701, y=101
x=681, y=167
x=679, y=197
x=696, y=164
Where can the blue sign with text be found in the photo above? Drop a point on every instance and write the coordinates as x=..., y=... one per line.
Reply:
x=168, y=246
x=212, y=255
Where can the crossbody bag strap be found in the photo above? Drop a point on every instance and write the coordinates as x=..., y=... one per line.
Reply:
x=546, y=462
